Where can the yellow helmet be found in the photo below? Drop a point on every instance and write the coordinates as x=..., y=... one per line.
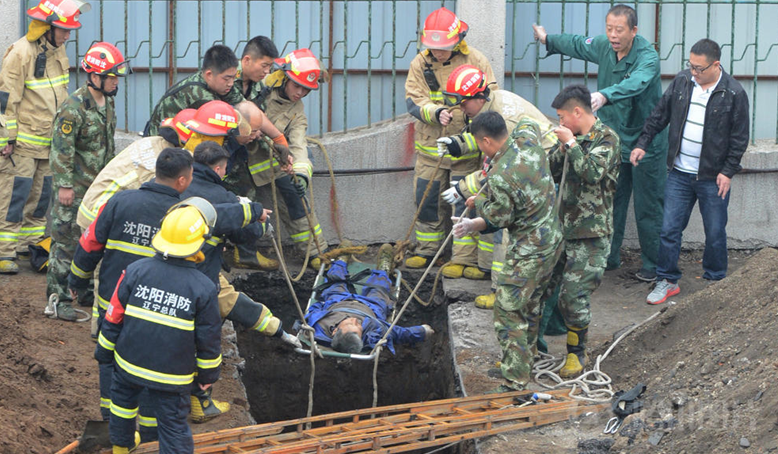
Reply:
x=185, y=228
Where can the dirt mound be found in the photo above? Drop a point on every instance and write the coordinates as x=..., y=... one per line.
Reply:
x=710, y=365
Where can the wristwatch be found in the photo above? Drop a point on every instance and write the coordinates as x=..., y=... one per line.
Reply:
x=570, y=143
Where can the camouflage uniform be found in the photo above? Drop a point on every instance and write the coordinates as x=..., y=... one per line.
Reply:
x=191, y=92
x=82, y=144
x=587, y=219
x=521, y=200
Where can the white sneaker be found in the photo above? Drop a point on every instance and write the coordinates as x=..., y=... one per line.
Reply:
x=664, y=289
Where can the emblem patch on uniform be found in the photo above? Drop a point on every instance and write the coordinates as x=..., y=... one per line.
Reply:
x=589, y=40
x=67, y=127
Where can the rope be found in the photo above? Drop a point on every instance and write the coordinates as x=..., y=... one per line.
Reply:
x=594, y=385
x=334, y=206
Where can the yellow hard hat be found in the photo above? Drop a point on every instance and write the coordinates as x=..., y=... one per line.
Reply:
x=185, y=228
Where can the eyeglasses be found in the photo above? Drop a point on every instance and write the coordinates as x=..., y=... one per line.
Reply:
x=697, y=69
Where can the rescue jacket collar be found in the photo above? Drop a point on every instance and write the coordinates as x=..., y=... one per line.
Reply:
x=161, y=188
x=203, y=172
x=184, y=263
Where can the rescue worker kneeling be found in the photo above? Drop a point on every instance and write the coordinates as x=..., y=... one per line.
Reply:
x=163, y=331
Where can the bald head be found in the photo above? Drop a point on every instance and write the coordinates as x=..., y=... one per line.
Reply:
x=250, y=112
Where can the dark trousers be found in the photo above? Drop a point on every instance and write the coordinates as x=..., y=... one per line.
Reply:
x=682, y=192
x=171, y=410
x=377, y=286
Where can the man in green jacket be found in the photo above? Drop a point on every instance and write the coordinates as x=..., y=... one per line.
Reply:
x=628, y=80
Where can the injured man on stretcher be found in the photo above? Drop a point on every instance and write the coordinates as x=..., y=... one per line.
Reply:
x=349, y=321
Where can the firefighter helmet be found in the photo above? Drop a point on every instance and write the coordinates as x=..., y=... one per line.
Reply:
x=185, y=228
x=465, y=82
x=443, y=30
x=59, y=13
x=214, y=118
x=178, y=124
x=302, y=67
x=104, y=59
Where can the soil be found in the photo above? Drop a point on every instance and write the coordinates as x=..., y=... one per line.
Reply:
x=708, y=362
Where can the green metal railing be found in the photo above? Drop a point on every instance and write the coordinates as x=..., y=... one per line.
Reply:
x=734, y=24
x=364, y=45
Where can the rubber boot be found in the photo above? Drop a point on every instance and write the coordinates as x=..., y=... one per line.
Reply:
x=315, y=263
x=576, y=352
x=385, y=259
x=485, y=301
x=124, y=450
x=453, y=271
x=204, y=408
x=65, y=311
x=246, y=257
x=417, y=261
x=8, y=267
x=475, y=273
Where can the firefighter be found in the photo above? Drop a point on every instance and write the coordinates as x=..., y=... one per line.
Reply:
x=163, y=332
x=82, y=144
x=443, y=38
x=295, y=76
x=133, y=166
x=35, y=75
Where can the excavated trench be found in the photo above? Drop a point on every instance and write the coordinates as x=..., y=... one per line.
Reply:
x=276, y=378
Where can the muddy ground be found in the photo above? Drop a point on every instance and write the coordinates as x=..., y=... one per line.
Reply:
x=709, y=363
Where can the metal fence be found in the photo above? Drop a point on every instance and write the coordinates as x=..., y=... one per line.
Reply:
x=743, y=28
x=365, y=45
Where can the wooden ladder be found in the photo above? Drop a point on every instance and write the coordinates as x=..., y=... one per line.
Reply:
x=395, y=428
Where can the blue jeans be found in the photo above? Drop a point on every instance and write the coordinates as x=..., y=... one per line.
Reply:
x=682, y=191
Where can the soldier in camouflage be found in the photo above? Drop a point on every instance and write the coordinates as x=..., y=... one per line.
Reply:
x=82, y=144
x=521, y=200
x=214, y=82
x=586, y=211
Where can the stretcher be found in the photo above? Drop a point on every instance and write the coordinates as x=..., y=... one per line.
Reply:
x=354, y=269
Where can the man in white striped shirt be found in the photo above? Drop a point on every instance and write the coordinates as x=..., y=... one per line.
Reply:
x=707, y=113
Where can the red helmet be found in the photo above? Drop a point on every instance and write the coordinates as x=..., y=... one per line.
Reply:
x=443, y=30
x=214, y=118
x=466, y=82
x=104, y=59
x=302, y=67
x=178, y=124
x=59, y=13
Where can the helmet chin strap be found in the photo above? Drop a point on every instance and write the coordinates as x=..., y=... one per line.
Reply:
x=101, y=88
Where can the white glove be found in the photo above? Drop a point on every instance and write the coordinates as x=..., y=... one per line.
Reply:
x=463, y=226
x=428, y=331
x=598, y=100
x=443, y=144
x=269, y=230
x=291, y=340
x=451, y=195
x=244, y=200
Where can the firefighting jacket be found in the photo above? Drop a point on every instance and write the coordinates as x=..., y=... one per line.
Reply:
x=425, y=102
x=207, y=184
x=162, y=329
x=131, y=168
x=289, y=117
x=33, y=98
x=120, y=234
x=3, y=132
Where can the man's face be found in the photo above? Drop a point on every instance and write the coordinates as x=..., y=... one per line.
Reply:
x=221, y=83
x=349, y=325
x=619, y=33
x=60, y=35
x=441, y=55
x=256, y=122
x=255, y=69
x=710, y=69
x=471, y=107
x=487, y=145
x=295, y=91
x=220, y=168
x=570, y=119
x=109, y=83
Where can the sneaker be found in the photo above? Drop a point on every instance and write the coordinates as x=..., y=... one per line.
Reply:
x=66, y=312
x=385, y=261
x=8, y=267
x=664, y=289
x=646, y=275
x=417, y=261
x=453, y=271
x=474, y=273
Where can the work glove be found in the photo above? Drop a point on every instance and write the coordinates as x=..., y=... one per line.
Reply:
x=291, y=340
x=463, y=226
x=598, y=100
x=244, y=200
x=300, y=185
x=452, y=194
x=281, y=153
x=428, y=331
x=450, y=145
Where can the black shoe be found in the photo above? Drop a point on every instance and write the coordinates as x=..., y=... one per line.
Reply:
x=646, y=275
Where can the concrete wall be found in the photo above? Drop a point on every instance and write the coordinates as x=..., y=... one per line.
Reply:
x=486, y=34
x=9, y=23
